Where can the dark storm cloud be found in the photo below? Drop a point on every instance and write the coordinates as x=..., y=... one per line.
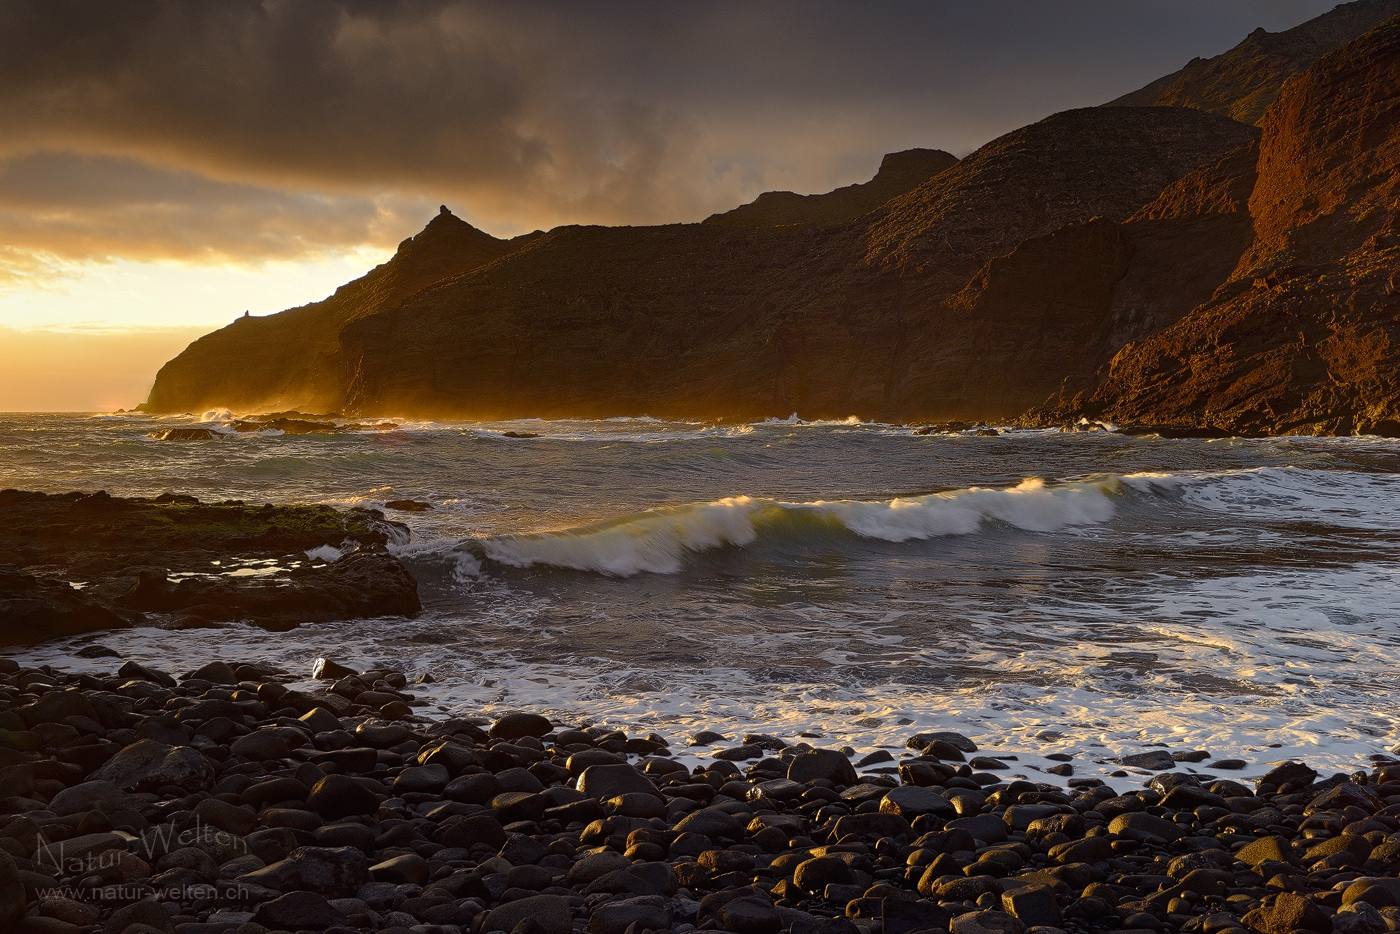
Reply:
x=282, y=127
x=63, y=204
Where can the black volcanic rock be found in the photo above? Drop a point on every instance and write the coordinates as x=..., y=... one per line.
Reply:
x=36, y=609
x=124, y=550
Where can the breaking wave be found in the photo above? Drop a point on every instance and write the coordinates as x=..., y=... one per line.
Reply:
x=659, y=540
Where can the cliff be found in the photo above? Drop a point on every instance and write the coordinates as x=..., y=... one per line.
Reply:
x=707, y=320
x=1244, y=81
x=713, y=319
x=899, y=172
x=274, y=362
x=1302, y=335
x=1155, y=266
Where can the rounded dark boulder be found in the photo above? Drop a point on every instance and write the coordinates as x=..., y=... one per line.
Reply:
x=337, y=796
x=610, y=781
x=814, y=875
x=516, y=725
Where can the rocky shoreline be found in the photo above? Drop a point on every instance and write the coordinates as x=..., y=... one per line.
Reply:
x=223, y=801
x=73, y=563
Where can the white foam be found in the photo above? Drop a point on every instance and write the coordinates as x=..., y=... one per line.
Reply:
x=327, y=553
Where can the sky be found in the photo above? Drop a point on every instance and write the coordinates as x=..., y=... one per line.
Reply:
x=166, y=165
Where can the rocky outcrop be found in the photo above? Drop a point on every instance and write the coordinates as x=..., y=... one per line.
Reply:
x=732, y=322
x=900, y=172
x=272, y=362
x=1244, y=81
x=1304, y=334
x=36, y=609
x=122, y=555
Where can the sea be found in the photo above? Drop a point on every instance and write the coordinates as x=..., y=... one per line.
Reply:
x=840, y=583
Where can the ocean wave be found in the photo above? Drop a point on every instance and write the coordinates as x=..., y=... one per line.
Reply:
x=659, y=540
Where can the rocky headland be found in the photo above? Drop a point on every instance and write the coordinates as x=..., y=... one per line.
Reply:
x=223, y=801
x=1162, y=264
x=76, y=562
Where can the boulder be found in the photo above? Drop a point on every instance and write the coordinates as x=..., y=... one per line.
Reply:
x=610, y=781
x=298, y=911
x=516, y=725
x=814, y=875
x=986, y=922
x=822, y=763
x=148, y=764
x=1289, y=914
x=550, y=912
x=93, y=796
x=909, y=801
x=337, y=796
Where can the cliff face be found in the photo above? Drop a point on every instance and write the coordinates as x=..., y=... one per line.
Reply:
x=900, y=172
x=1302, y=336
x=1156, y=266
x=716, y=321
x=1244, y=81
x=276, y=362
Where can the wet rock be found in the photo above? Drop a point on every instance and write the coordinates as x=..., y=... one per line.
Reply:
x=1287, y=773
x=516, y=725
x=740, y=753
x=610, y=781
x=325, y=669
x=1156, y=760
x=408, y=505
x=822, y=763
x=958, y=741
x=705, y=738
x=910, y=801
x=1228, y=765
x=35, y=609
x=214, y=672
